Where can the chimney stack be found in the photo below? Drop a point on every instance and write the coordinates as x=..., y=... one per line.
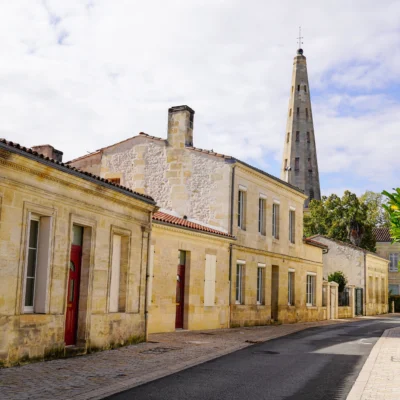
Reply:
x=49, y=151
x=180, y=126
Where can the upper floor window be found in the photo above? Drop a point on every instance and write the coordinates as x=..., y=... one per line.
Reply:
x=275, y=221
x=261, y=215
x=298, y=88
x=37, y=264
x=297, y=164
x=241, y=209
x=308, y=137
x=297, y=136
x=311, y=194
x=117, y=181
x=290, y=112
x=285, y=165
x=292, y=226
x=394, y=259
x=306, y=113
x=298, y=111
x=305, y=88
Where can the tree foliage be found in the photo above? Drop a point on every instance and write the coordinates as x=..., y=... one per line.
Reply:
x=393, y=209
x=340, y=278
x=376, y=212
x=344, y=218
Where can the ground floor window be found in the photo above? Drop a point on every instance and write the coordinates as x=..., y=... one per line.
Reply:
x=291, y=288
x=394, y=289
x=310, y=290
x=239, y=283
x=260, y=284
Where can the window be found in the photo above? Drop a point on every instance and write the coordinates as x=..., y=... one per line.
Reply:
x=298, y=88
x=308, y=137
x=298, y=111
x=394, y=289
x=239, y=283
x=292, y=226
x=306, y=113
x=285, y=165
x=288, y=137
x=297, y=164
x=241, y=209
x=291, y=288
x=261, y=215
x=275, y=221
x=310, y=290
x=311, y=194
x=394, y=259
x=260, y=284
x=309, y=164
x=117, y=181
x=119, y=268
x=297, y=136
x=37, y=264
x=209, y=280
x=305, y=88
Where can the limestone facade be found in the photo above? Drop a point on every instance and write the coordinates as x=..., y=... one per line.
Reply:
x=206, y=259
x=69, y=207
x=362, y=269
x=391, y=251
x=204, y=186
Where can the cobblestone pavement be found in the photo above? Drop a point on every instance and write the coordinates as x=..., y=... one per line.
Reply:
x=379, y=378
x=97, y=375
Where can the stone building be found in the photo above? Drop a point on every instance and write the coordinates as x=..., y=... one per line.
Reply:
x=391, y=251
x=363, y=269
x=188, y=275
x=299, y=162
x=273, y=273
x=73, y=257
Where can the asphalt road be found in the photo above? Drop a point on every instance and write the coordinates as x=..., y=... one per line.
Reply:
x=315, y=364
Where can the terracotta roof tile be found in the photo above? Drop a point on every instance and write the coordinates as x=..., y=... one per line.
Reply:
x=382, y=234
x=315, y=243
x=170, y=219
x=66, y=168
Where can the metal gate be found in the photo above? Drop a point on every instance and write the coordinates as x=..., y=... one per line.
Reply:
x=359, y=301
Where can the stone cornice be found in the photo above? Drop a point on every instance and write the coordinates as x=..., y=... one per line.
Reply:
x=63, y=199
x=272, y=254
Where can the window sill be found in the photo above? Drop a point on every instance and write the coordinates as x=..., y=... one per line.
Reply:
x=311, y=307
x=275, y=240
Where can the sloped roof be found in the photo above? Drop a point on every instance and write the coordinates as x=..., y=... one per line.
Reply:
x=382, y=234
x=315, y=243
x=182, y=222
x=28, y=152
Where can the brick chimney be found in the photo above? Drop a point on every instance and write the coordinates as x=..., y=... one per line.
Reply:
x=49, y=151
x=180, y=126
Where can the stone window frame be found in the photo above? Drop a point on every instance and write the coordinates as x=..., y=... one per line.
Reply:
x=36, y=211
x=126, y=236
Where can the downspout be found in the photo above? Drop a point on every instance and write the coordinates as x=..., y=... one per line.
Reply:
x=365, y=284
x=146, y=292
x=230, y=245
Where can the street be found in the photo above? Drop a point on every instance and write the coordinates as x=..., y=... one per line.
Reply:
x=318, y=363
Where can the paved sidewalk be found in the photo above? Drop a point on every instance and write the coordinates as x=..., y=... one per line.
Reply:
x=101, y=374
x=380, y=377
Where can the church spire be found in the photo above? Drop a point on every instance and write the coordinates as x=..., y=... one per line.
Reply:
x=299, y=163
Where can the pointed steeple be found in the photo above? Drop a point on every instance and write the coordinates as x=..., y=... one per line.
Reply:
x=299, y=163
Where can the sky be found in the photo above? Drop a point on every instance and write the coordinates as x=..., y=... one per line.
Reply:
x=81, y=75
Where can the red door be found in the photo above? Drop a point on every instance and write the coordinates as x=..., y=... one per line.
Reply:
x=180, y=294
x=71, y=320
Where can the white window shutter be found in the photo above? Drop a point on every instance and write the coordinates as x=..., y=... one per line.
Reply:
x=209, y=280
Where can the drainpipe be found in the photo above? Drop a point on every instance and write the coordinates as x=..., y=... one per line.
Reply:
x=146, y=292
x=230, y=245
x=365, y=284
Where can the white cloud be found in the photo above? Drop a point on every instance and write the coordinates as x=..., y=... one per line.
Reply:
x=82, y=75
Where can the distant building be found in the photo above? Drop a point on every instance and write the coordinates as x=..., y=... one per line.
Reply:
x=363, y=269
x=299, y=162
x=391, y=252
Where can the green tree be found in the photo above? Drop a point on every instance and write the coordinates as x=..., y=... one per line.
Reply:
x=340, y=278
x=393, y=209
x=376, y=214
x=344, y=218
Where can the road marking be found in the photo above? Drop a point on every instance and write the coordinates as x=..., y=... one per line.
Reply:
x=361, y=341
